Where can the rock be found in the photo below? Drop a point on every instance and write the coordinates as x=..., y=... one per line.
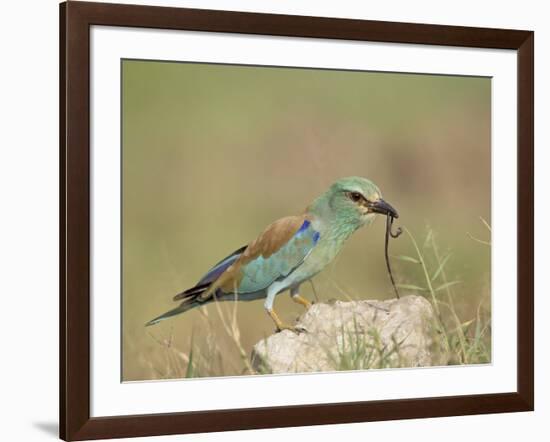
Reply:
x=355, y=335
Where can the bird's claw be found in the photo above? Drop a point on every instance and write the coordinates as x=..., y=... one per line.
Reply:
x=293, y=328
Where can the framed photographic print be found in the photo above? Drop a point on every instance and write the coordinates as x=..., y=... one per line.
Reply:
x=273, y=220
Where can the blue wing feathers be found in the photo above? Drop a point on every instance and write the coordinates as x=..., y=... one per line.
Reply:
x=215, y=272
x=316, y=237
x=304, y=227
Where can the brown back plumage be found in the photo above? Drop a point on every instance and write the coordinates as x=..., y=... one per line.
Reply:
x=270, y=241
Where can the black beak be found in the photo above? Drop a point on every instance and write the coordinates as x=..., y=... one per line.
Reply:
x=384, y=208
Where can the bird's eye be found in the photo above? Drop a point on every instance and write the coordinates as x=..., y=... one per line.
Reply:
x=355, y=196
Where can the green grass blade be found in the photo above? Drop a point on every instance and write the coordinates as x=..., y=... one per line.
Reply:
x=406, y=258
x=412, y=287
x=440, y=268
x=446, y=285
x=428, y=238
x=485, y=223
x=190, y=372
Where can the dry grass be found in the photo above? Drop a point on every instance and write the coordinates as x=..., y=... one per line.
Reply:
x=468, y=340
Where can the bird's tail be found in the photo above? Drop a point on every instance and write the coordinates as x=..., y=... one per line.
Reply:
x=193, y=292
x=190, y=299
x=183, y=307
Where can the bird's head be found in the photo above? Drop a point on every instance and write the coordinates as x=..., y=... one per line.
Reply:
x=354, y=201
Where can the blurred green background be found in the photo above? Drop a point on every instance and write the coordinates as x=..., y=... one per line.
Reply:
x=214, y=153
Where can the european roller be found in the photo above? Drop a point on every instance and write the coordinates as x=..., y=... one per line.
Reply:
x=289, y=252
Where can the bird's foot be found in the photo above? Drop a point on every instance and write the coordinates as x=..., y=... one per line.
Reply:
x=293, y=328
x=282, y=326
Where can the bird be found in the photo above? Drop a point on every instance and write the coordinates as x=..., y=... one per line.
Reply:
x=289, y=252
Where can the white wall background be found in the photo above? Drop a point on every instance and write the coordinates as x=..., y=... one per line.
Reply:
x=29, y=216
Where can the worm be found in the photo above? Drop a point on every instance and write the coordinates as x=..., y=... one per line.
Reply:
x=389, y=232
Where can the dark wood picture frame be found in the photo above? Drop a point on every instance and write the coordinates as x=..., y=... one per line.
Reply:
x=75, y=21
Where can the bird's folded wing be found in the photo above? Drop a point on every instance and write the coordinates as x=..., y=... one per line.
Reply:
x=215, y=272
x=278, y=251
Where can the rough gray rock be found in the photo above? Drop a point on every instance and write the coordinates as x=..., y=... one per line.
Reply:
x=355, y=335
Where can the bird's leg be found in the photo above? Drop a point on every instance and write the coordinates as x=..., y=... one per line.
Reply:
x=278, y=323
x=301, y=300
x=296, y=297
